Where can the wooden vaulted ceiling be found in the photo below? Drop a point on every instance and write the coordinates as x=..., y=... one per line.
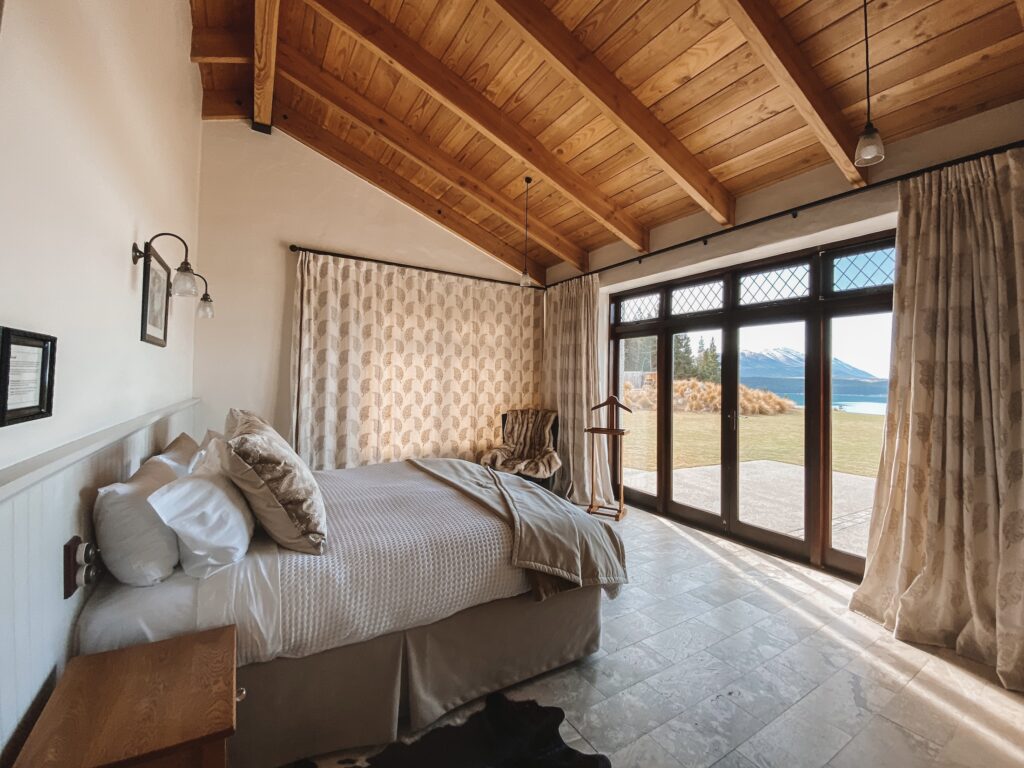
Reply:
x=627, y=113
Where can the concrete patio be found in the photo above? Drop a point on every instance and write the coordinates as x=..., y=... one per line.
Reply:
x=772, y=497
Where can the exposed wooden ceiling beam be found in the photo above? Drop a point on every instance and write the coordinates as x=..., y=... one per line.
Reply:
x=221, y=46
x=1020, y=11
x=331, y=146
x=226, y=105
x=577, y=64
x=770, y=40
x=306, y=75
x=374, y=31
x=264, y=62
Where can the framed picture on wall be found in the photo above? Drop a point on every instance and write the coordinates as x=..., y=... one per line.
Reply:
x=27, y=364
x=156, y=292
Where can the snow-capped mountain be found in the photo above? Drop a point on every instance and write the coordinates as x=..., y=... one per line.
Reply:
x=783, y=362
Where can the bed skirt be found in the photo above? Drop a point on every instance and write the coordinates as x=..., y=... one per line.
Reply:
x=364, y=694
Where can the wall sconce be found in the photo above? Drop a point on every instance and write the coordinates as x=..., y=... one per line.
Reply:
x=184, y=281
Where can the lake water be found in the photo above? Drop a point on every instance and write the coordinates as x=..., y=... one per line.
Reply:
x=873, y=406
x=873, y=409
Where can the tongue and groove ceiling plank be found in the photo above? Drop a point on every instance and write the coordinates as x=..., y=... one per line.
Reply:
x=304, y=74
x=771, y=41
x=458, y=94
x=688, y=63
x=577, y=64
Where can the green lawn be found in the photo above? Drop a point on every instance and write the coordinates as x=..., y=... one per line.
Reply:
x=856, y=438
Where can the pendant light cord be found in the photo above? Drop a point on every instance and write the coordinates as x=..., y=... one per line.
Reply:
x=526, y=225
x=867, y=62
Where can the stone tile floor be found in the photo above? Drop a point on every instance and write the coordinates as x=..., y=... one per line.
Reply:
x=719, y=655
x=772, y=497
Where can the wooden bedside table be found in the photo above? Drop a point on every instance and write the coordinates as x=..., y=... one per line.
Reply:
x=161, y=705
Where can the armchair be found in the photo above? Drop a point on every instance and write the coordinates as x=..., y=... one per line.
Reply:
x=528, y=449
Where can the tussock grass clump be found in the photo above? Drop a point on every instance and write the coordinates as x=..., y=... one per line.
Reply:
x=695, y=396
x=761, y=402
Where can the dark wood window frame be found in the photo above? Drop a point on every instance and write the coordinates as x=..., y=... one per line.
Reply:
x=816, y=310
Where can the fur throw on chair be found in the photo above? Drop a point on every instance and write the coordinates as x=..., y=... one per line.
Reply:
x=527, y=449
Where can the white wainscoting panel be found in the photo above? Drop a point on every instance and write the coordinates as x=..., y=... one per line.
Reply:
x=45, y=504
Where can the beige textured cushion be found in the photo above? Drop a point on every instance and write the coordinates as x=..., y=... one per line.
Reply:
x=278, y=485
x=234, y=414
x=179, y=454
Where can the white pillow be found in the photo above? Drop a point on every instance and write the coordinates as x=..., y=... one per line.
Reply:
x=209, y=515
x=136, y=546
x=203, y=446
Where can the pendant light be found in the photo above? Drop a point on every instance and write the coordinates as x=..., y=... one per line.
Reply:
x=870, y=149
x=524, y=279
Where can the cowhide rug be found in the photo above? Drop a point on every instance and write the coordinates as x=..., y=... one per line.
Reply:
x=504, y=734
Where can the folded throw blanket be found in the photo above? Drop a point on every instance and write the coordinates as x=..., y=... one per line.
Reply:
x=527, y=448
x=560, y=546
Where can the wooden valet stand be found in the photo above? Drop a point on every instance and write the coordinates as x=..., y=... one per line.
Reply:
x=614, y=433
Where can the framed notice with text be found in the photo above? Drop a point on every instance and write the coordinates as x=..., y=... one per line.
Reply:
x=27, y=364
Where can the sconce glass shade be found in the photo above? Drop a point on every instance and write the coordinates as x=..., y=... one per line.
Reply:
x=184, y=282
x=525, y=281
x=205, y=307
x=870, y=149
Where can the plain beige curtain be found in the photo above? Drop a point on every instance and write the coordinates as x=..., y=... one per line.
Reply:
x=945, y=563
x=572, y=383
x=391, y=363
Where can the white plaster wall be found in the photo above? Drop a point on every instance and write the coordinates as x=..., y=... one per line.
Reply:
x=871, y=211
x=259, y=194
x=99, y=146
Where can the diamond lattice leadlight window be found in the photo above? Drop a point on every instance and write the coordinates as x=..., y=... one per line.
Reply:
x=775, y=285
x=702, y=297
x=638, y=308
x=870, y=269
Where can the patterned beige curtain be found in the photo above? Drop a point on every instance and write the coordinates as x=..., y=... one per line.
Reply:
x=945, y=561
x=390, y=363
x=572, y=382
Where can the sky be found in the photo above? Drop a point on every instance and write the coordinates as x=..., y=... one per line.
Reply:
x=864, y=341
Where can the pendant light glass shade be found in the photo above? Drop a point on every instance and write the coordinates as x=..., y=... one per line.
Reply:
x=870, y=149
x=205, y=307
x=525, y=281
x=184, y=282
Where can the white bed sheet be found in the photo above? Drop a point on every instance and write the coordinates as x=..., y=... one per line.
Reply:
x=403, y=550
x=117, y=615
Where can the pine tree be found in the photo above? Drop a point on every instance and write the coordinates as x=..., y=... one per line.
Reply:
x=640, y=354
x=683, y=365
x=712, y=367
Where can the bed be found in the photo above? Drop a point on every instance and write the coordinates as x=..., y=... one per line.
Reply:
x=414, y=608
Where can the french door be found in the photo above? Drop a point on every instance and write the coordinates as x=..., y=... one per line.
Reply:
x=696, y=487
x=637, y=377
x=774, y=399
x=739, y=455
x=758, y=399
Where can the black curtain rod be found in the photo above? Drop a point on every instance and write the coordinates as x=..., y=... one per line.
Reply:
x=295, y=248
x=705, y=239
